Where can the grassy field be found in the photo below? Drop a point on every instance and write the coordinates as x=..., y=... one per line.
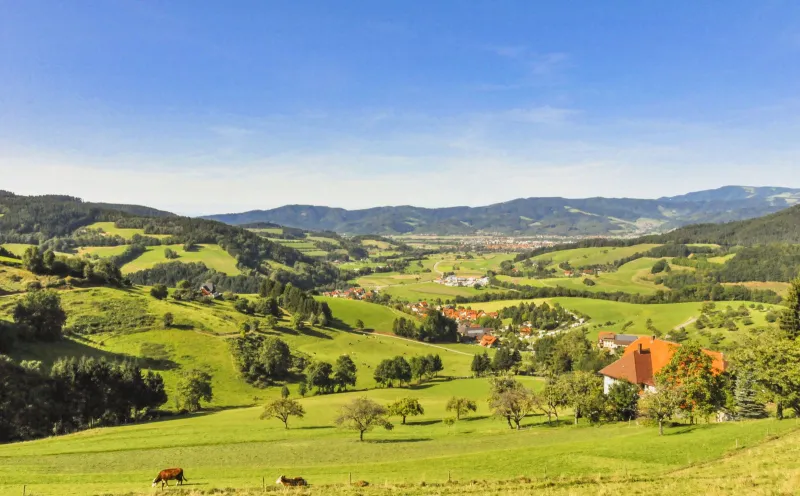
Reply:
x=124, y=324
x=476, y=266
x=723, y=259
x=375, y=317
x=782, y=288
x=111, y=229
x=580, y=257
x=17, y=249
x=102, y=251
x=431, y=291
x=665, y=317
x=213, y=256
x=234, y=449
x=633, y=277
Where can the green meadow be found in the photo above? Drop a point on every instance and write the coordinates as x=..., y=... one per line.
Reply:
x=431, y=291
x=213, y=256
x=17, y=249
x=234, y=449
x=111, y=229
x=580, y=257
x=102, y=251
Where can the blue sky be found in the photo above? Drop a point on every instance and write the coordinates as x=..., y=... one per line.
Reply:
x=239, y=105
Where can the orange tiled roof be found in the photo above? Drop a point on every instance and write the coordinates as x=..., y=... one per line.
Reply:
x=645, y=357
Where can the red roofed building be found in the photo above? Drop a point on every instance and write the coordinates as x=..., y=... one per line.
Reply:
x=645, y=358
x=487, y=341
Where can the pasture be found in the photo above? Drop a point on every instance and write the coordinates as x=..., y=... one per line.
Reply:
x=613, y=316
x=213, y=256
x=17, y=249
x=234, y=449
x=581, y=257
x=127, y=324
x=432, y=291
x=102, y=251
x=111, y=229
x=633, y=277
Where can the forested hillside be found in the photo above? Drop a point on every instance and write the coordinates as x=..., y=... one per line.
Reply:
x=64, y=224
x=554, y=216
x=780, y=227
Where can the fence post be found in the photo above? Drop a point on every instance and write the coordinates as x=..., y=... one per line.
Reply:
x=448, y=476
x=350, y=478
x=263, y=484
x=24, y=489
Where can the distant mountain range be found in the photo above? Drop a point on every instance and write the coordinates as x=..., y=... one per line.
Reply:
x=537, y=216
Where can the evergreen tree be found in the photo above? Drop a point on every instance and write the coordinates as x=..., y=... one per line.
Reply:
x=790, y=318
x=747, y=404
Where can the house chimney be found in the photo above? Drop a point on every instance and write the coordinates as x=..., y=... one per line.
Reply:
x=652, y=338
x=640, y=347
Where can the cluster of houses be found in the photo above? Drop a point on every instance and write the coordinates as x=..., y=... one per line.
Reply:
x=461, y=314
x=462, y=281
x=643, y=358
x=352, y=294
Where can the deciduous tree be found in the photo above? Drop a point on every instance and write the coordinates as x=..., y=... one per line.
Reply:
x=344, y=372
x=193, y=387
x=363, y=415
x=40, y=314
x=406, y=407
x=461, y=406
x=282, y=409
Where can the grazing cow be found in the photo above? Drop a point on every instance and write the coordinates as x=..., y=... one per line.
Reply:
x=296, y=481
x=168, y=475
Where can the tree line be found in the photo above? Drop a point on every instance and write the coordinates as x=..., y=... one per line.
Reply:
x=74, y=394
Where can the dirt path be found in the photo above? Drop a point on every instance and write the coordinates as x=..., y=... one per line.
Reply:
x=387, y=335
x=685, y=324
x=436, y=265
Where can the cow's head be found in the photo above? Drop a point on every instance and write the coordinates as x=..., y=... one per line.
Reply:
x=280, y=479
x=156, y=481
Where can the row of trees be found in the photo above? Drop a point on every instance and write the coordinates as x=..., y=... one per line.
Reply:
x=102, y=271
x=75, y=394
x=402, y=371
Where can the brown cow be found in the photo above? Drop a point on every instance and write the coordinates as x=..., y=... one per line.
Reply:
x=168, y=475
x=296, y=481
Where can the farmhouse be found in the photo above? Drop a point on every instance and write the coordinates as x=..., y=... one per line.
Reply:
x=612, y=341
x=209, y=289
x=472, y=333
x=488, y=341
x=643, y=359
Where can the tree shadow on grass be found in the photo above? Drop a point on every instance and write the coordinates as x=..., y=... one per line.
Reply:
x=678, y=429
x=398, y=441
x=554, y=423
x=424, y=422
x=312, y=427
x=308, y=331
x=474, y=417
x=48, y=353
